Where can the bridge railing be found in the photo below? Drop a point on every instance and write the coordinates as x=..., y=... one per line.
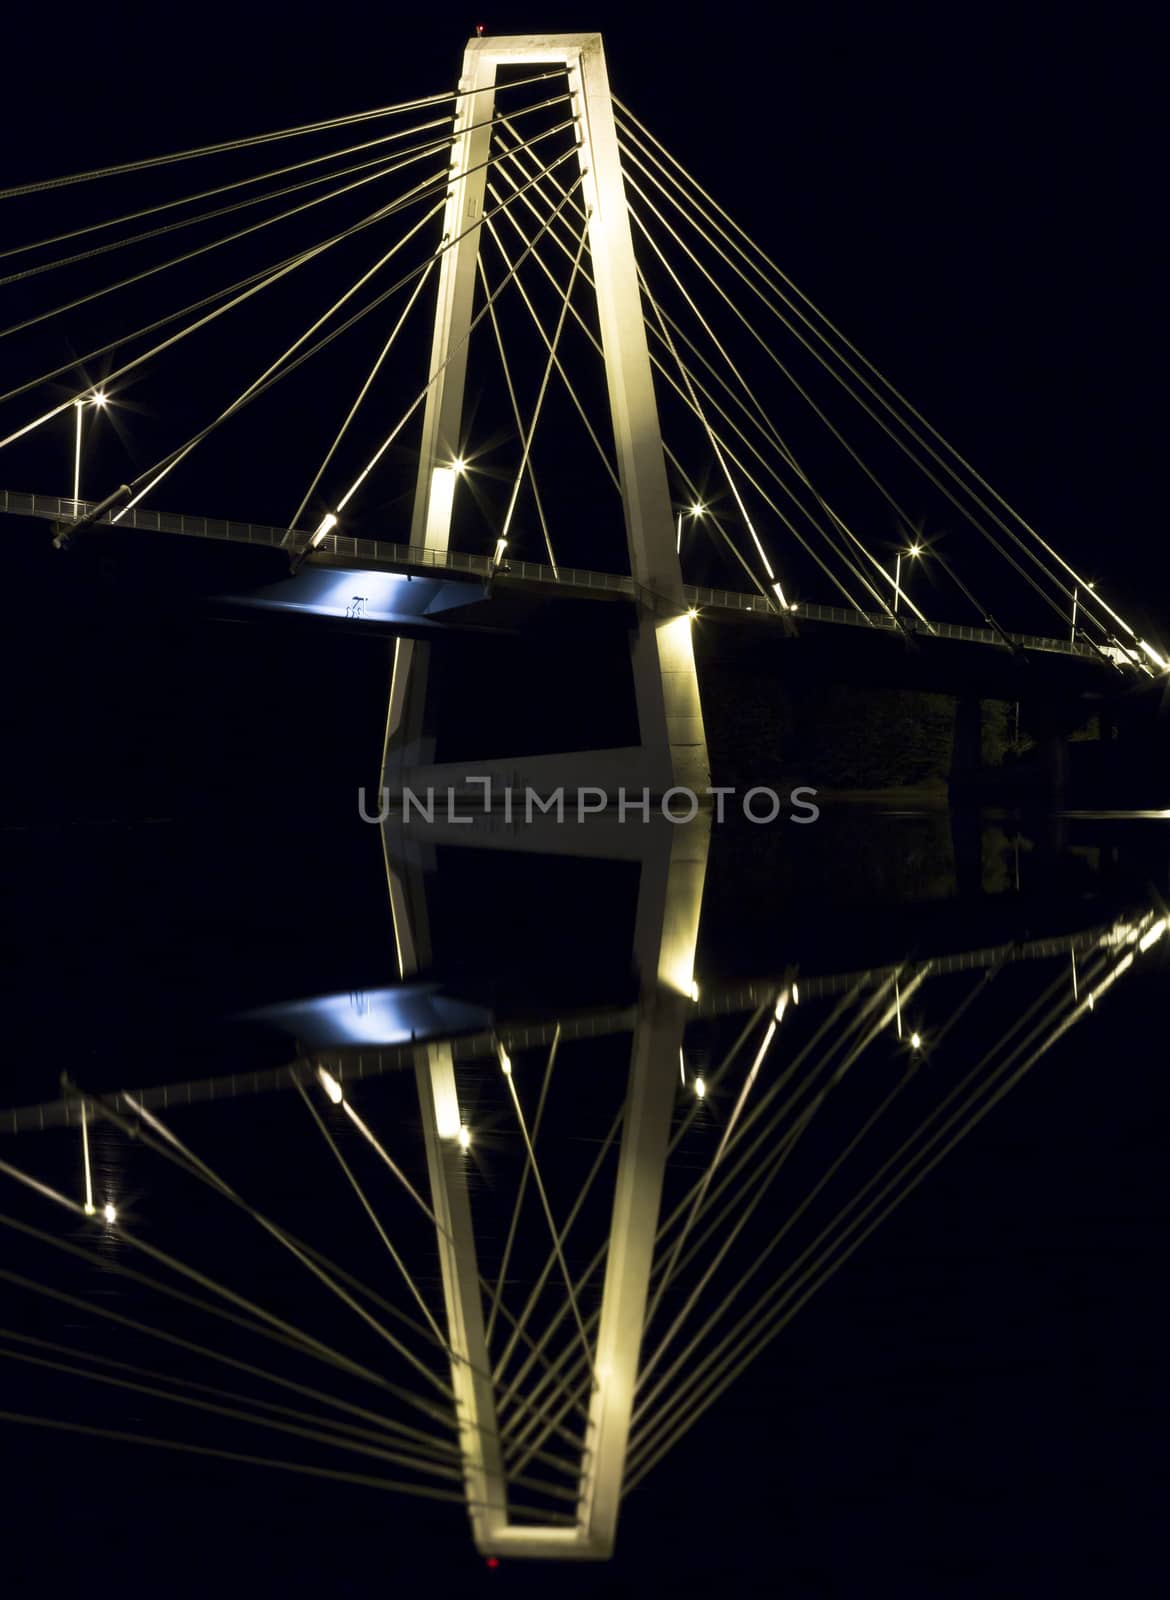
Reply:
x=737, y=600
x=61, y=508
x=64, y=509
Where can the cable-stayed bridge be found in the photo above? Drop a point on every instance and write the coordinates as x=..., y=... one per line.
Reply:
x=639, y=344
x=576, y=323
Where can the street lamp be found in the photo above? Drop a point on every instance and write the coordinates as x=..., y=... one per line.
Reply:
x=100, y=401
x=1072, y=636
x=697, y=509
x=914, y=550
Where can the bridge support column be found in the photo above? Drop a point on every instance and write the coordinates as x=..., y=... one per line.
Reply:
x=670, y=715
x=410, y=740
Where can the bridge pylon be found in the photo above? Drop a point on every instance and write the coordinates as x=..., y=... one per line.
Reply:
x=672, y=748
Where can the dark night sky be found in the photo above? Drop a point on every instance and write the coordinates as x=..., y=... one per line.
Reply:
x=972, y=194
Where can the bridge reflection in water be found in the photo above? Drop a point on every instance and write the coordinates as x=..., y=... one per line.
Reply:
x=511, y=1259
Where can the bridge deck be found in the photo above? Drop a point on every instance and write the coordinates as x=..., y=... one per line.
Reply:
x=577, y=582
